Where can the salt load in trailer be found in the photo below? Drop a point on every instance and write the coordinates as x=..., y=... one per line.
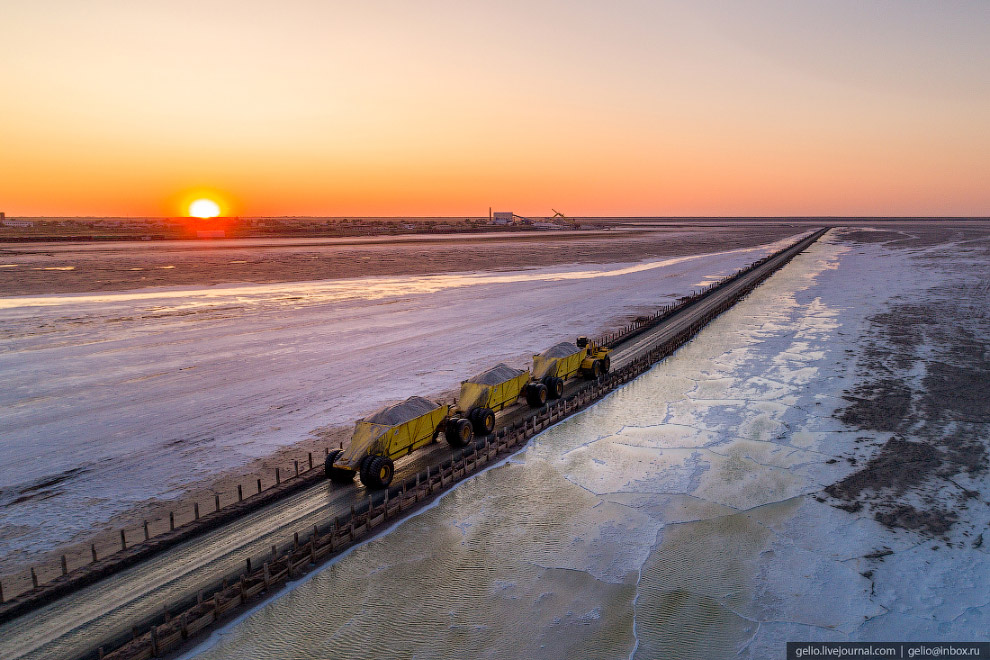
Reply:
x=384, y=436
x=564, y=360
x=493, y=390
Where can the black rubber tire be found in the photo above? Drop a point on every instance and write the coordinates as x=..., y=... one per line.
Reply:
x=536, y=395
x=555, y=388
x=596, y=370
x=378, y=473
x=363, y=468
x=606, y=364
x=336, y=474
x=483, y=420
x=459, y=432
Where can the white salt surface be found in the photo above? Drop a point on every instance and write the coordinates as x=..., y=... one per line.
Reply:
x=110, y=399
x=674, y=519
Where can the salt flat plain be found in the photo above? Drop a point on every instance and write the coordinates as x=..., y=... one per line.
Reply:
x=696, y=512
x=113, y=399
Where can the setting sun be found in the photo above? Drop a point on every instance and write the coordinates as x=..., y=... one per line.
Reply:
x=204, y=208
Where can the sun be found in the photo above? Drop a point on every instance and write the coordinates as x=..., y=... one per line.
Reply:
x=204, y=208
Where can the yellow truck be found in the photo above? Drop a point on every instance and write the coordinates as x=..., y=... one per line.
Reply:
x=564, y=360
x=491, y=391
x=399, y=429
x=384, y=436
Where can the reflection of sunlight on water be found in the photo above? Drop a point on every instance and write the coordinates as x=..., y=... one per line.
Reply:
x=330, y=291
x=370, y=288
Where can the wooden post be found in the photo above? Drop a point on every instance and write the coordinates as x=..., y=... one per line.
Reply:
x=240, y=493
x=216, y=501
x=171, y=521
x=65, y=566
x=34, y=578
x=274, y=552
x=92, y=549
x=278, y=478
x=123, y=541
x=248, y=564
x=310, y=460
x=295, y=540
x=199, y=597
x=154, y=641
x=296, y=463
x=259, y=485
x=268, y=576
x=147, y=535
x=196, y=510
x=183, y=626
x=1, y=592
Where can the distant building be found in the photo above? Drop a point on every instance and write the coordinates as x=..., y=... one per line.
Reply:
x=3, y=216
x=547, y=225
x=18, y=223
x=503, y=218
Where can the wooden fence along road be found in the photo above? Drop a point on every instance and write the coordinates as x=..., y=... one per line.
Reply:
x=638, y=347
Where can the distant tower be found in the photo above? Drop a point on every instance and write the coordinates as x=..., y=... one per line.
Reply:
x=3, y=216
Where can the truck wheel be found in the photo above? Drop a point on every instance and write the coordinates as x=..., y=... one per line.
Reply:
x=606, y=364
x=555, y=388
x=336, y=474
x=596, y=369
x=483, y=420
x=364, y=468
x=536, y=395
x=378, y=473
x=459, y=432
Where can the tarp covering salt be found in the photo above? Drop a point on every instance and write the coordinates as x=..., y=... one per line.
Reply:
x=500, y=373
x=400, y=413
x=563, y=349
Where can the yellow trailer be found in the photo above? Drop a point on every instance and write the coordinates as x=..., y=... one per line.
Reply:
x=386, y=435
x=491, y=391
x=564, y=360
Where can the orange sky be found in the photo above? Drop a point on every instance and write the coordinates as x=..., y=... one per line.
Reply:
x=447, y=108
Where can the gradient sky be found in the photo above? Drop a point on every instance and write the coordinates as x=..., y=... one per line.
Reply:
x=437, y=107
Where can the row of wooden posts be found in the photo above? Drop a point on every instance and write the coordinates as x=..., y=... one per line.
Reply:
x=341, y=532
